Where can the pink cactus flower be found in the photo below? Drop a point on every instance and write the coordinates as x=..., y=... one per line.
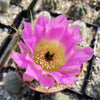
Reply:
x=50, y=52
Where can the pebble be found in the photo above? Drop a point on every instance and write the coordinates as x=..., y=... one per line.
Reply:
x=43, y=13
x=82, y=26
x=61, y=96
x=25, y=3
x=8, y=18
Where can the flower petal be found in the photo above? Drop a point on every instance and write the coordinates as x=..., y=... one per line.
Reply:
x=39, y=33
x=33, y=73
x=54, y=33
x=27, y=35
x=80, y=56
x=30, y=44
x=74, y=33
x=56, y=75
x=23, y=48
x=28, y=58
x=56, y=27
x=68, y=79
x=70, y=39
x=73, y=70
x=42, y=21
x=39, y=28
x=20, y=60
x=59, y=19
x=27, y=77
x=47, y=81
x=27, y=31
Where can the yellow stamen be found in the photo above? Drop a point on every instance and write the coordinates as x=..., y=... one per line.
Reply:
x=50, y=55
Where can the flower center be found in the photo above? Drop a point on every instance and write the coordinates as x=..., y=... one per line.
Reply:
x=50, y=55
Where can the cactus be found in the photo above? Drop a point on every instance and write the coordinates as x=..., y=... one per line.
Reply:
x=78, y=9
x=50, y=4
x=4, y=5
x=12, y=82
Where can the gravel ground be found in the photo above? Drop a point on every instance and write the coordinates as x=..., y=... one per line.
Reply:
x=8, y=18
x=24, y=3
x=3, y=35
x=93, y=88
x=78, y=85
x=64, y=7
x=59, y=96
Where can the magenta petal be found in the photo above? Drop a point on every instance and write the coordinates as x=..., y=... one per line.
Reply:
x=73, y=37
x=60, y=19
x=39, y=28
x=23, y=48
x=47, y=81
x=73, y=70
x=27, y=31
x=68, y=79
x=74, y=33
x=33, y=72
x=42, y=21
x=81, y=56
x=55, y=29
x=54, y=33
x=56, y=75
x=39, y=32
x=27, y=77
x=27, y=35
x=30, y=44
x=20, y=60
x=37, y=66
x=28, y=58
x=29, y=74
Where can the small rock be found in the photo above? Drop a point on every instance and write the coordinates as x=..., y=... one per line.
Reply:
x=61, y=96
